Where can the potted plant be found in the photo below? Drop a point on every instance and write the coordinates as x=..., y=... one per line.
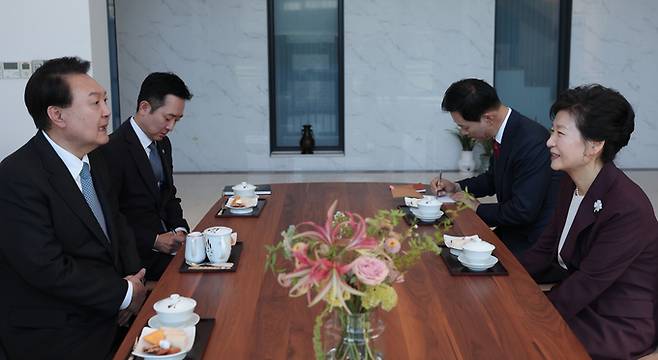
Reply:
x=466, y=164
x=487, y=151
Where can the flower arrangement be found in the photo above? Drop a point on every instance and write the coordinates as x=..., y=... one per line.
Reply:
x=350, y=264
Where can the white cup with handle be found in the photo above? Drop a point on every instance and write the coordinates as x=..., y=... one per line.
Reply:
x=195, y=247
x=218, y=241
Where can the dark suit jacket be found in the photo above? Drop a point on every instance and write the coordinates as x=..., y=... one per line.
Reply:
x=148, y=210
x=62, y=279
x=611, y=255
x=523, y=182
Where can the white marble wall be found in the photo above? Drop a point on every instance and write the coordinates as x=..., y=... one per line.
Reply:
x=399, y=59
x=615, y=43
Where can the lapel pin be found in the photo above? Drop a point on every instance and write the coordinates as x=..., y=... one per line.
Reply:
x=598, y=206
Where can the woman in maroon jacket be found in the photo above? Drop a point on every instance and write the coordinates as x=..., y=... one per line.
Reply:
x=603, y=238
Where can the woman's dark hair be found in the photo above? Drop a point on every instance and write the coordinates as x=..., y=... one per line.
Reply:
x=158, y=85
x=470, y=98
x=48, y=87
x=601, y=114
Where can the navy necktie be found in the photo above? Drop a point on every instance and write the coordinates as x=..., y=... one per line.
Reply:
x=156, y=164
x=88, y=191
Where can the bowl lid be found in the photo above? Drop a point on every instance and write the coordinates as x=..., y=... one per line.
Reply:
x=218, y=230
x=244, y=186
x=479, y=246
x=174, y=304
x=427, y=201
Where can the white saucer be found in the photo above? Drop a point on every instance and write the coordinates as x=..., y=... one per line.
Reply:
x=241, y=210
x=484, y=265
x=456, y=252
x=155, y=323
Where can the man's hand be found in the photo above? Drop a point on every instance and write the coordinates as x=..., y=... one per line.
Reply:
x=467, y=200
x=169, y=242
x=442, y=187
x=139, y=295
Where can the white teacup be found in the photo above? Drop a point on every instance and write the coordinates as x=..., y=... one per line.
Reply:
x=430, y=207
x=477, y=251
x=218, y=241
x=195, y=247
x=175, y=309
x=244, y=190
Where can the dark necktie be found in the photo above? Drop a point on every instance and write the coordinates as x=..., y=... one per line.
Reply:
x=88, y=191
x=496, y=149
x=156, y=164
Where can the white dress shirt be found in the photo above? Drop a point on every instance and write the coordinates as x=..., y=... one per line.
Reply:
x=74, y=165
x=501, y=130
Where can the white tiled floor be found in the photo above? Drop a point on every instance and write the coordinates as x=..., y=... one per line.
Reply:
x=199, y=191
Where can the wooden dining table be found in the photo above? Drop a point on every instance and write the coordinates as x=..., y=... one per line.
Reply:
x=438, y=315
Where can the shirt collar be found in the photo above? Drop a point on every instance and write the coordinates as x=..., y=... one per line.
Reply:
x=141, y=135
x=73, y=164
x=501, y=130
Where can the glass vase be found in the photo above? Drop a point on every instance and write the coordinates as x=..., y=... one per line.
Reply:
x=353, y=336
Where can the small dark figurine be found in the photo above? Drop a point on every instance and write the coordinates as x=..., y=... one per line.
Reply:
x=307, y=143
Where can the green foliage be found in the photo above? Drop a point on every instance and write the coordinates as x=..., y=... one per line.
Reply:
x=487, y=147
x=466, y=141
x=317, y=333
x=271, y=259
x=382, y=294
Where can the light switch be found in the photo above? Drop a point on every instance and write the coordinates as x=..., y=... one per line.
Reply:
x=26, y=69
x=11, y=71
x=36, y=64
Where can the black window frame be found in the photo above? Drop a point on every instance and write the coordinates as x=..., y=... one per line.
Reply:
x=272, y=84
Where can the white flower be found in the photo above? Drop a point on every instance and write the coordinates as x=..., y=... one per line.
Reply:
x=598, y=205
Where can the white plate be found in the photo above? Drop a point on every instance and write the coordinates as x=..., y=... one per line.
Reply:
x=154, y=322
x=411, y=202
x=486, y=264
x=249, y=202
x=457, y=242
x=190, y=332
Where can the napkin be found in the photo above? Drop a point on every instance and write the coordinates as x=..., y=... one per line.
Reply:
x=399, y=191
x=411, y=202
x=457, y=242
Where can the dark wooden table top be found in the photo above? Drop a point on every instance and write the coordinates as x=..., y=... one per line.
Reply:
x=438, y=316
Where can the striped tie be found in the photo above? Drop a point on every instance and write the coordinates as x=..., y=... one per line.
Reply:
x=88, y=191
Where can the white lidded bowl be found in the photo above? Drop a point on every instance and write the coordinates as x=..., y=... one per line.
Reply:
x=429, y=207
x=244, y=189
x=477, y=251
x=175, y=309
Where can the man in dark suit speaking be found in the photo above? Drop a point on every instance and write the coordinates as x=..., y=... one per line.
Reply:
x=67, y=259
x=139, y=152
x=519, y=172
